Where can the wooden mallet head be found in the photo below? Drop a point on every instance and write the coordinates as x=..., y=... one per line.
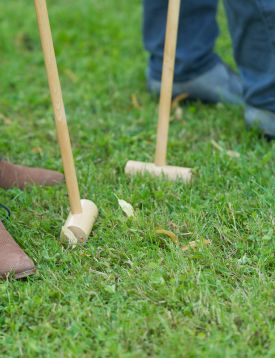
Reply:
x=78, y=227
x=167, y=171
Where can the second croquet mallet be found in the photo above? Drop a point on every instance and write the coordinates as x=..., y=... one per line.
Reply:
x=159, y=167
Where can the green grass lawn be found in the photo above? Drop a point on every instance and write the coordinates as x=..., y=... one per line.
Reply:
x=131, y=292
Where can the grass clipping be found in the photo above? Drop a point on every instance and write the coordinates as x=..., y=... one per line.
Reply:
x=173, y=237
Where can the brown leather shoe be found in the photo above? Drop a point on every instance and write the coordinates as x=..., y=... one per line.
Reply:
x=18, y=176
x=13, y=261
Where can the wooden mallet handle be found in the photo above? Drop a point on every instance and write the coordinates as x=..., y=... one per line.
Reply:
x=167, y=81
x=58, y=105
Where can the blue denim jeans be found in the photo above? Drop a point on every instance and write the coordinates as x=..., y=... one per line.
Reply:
x=252, y=27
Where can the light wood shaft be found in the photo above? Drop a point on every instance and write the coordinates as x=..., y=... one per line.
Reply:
x=58, y=105
x=167, y=81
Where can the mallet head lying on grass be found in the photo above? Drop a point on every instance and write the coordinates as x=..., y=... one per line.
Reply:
x=159, y=167
x=170, y=172
x=78, y=226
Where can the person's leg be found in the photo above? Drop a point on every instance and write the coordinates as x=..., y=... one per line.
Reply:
x=198, y=31
x=252, y=26
x=198, y=70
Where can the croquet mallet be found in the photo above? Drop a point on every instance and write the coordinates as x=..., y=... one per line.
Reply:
x=159, y=168
x=83, y=212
